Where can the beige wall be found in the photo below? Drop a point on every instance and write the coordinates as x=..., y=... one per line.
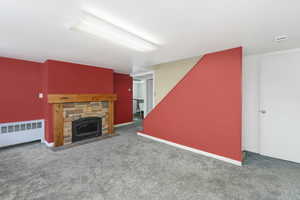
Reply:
x=167, y=75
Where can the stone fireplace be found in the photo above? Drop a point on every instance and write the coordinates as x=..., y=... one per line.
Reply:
x=81, y=116
x=73, y=112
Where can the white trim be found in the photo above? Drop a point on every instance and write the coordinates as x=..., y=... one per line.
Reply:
x=51, y=144
x=153, y=101
x=275, y=52
x=148, y=93
x=138, y=82
x=123, y=124
x=235, y=162
x=142, y=74
x=144, y=88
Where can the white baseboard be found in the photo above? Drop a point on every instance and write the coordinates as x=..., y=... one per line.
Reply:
x=235, y=162
x=123, y=124
x=51, y=144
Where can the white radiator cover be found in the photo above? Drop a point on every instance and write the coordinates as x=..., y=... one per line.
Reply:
x=21, y=132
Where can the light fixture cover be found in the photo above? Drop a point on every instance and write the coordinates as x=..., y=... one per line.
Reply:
x=281, y=38
x=96, y=26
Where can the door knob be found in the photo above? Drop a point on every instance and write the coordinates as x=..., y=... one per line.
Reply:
x=263, y=111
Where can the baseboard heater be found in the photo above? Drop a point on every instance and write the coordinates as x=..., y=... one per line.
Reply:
x=21, y=132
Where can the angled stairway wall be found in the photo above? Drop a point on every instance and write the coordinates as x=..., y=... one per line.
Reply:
x=167, y=75
x=203, y=111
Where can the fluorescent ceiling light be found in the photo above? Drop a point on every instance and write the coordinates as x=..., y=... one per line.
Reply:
x=98, y=27
x=281, y=38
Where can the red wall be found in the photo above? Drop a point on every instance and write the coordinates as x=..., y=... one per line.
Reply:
x=20, y=83
x=204, y=109
x=67, y=78
x=123, y=106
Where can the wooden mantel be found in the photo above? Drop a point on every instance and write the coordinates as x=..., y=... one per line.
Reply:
x=58, y=119
x=72, y=98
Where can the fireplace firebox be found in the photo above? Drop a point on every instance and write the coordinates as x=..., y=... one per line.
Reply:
x=85, y=128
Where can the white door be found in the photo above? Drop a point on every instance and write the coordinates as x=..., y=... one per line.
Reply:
x=280, y=106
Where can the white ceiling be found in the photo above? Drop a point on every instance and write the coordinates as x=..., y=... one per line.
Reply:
x=38, y=29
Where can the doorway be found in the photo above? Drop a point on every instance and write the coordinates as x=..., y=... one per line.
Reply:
x=143, y=95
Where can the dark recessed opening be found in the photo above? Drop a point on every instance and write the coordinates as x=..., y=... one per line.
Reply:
x=85, y=128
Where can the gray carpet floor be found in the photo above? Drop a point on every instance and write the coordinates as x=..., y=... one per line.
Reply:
x=129, y=167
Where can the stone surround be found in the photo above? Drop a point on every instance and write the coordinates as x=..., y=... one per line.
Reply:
x=74, y=111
